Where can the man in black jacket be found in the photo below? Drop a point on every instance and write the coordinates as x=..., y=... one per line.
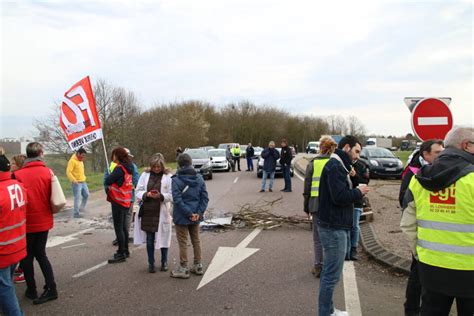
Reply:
x=249, y=152
x=285, y=162
x=336, y=209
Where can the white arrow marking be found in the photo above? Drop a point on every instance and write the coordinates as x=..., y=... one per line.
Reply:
x=59, y=240
x=434, y=120
x=228, y=257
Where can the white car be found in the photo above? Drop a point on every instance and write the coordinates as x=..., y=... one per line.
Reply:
x=219, y=159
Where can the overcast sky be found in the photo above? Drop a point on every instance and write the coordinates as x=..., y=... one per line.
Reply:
x=309, y=57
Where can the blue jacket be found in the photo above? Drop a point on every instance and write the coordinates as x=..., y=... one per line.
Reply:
x=336, y=198
x=270, y=156
x=135, y=178
x=189, y=196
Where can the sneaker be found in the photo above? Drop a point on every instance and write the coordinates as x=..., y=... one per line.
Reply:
x=180, y=273
x=31, y=294
x=117, y=258
x=197, y=269
x=18, y=271
x=270, y=190
x=48, y=295
x=262, y=190
x=339, y=313
x=164, y=267
x=77, y=216
x=19, y=278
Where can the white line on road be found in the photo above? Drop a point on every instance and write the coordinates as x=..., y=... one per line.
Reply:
x=59, y=240
x=76, y=245
x=299, y=177
x=244, y=243
x=351, y=293
x=236, y=179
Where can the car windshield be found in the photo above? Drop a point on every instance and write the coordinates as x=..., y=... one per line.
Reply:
x=197, y=153
x=217, y=152
x=378, y=153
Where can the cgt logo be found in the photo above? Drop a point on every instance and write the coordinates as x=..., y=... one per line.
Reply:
x=445, y=196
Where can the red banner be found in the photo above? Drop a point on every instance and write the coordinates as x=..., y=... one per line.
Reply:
x=79, y=119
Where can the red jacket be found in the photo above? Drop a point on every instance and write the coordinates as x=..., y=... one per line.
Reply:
x=12, y=220
x=36, y=178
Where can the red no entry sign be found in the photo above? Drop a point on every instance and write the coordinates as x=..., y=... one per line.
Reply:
x=431, y=118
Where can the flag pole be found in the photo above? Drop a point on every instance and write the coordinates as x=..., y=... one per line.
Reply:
x=105, y=154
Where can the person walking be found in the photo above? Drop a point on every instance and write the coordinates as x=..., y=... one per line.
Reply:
x=249, y=153
x=190, y=200
x=285, y=162
x=311, y=196
x=119, y=194
x=270, y=157
x=236, y=155
x=359, y=176
x=153, y=221
x=12, y=236
x=76, y=174
x=429, y=151
x=37, y=179
x=335, y=217
x=438, y=221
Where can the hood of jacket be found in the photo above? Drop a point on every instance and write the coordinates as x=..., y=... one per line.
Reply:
x=450, y=165
x=188, y=175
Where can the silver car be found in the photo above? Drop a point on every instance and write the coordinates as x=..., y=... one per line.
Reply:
x=218, y=159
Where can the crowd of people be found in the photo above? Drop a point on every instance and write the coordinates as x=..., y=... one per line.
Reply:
x=436, y=194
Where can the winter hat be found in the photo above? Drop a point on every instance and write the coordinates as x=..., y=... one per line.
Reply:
x=4, y=164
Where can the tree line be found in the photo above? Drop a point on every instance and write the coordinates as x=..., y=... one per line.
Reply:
x=193, y=123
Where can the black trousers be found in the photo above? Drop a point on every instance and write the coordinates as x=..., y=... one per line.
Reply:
x=237, y=162
x=437, y=304
x=119, y=215
x=413, y=291
x=36, y=248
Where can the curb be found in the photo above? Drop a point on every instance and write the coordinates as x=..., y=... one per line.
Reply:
x=372, y=245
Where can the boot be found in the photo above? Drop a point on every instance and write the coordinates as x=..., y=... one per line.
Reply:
x=48, y=295
x=117, y=258
x=353, y=253
x=151, y=268
x=31, y=293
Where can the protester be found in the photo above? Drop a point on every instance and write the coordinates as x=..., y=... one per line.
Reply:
x=76, y=174
x=190, y=201
x=16, y=164
x=230, y=159
x=153, y=221
x=249, y=152
x=119, y=194
x=311, y=196
x=285, y=162
x=429, y=151
x=37, y=179
x=270, y=157
x=438, y=221
x=335, y=217
x=359, y=176
x=236, y=155
x=12, y=236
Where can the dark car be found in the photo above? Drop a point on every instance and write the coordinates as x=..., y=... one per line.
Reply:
x=279, y=169
x=201, y=162
x=382, y=162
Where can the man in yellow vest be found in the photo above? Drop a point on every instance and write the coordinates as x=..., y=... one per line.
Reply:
x=438, y=219
x=75, y=173
x=236, y=155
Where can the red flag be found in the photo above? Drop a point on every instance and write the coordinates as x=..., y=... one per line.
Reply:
x=79, y=119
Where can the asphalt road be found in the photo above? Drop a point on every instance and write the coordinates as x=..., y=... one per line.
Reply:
x=273, y=280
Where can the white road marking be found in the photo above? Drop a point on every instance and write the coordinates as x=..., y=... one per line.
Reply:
x=59, y=240
x=351, y=292
x=76, y=245
x=228, y=257
x=434, y=120
x=236, y=179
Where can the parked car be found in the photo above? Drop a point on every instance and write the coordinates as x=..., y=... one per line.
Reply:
x=207, y=148
x=312, y=148
x=219, y=160
x=224, y=145
x=201, y=162
x=382, y=162
x=279, y=169
x=243, y=152
x=257, y=152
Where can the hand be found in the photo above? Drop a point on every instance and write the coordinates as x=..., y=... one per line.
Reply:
x=364, y=189
x=194, y=217
x=74, y=182
x=352, y=173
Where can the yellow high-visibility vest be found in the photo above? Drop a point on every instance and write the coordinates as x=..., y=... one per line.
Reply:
x=445, y=220
x=236, y=151
x=318, y=166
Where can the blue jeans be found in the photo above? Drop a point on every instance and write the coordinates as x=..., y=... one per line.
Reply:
x=334, y=243
x=8, y=300
x=264, y=179
x=80, y=190
x=287, y=177
x=249, y=163
x=150, y=249
x=318, y=248
x=354, y=235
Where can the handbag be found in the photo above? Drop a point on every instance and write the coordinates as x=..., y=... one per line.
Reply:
x=58, y=200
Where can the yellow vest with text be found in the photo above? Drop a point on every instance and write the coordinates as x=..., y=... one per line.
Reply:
x=318, y=166
x=445, y=220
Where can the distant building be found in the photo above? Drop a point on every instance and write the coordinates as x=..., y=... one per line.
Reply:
x=16, y=146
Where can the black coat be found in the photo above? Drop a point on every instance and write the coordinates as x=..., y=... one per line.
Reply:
x=249, y=152
x=286, y=156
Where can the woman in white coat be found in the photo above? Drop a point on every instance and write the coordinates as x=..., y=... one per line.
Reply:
x=153, y=220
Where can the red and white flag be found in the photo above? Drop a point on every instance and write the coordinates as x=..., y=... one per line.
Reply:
x=79, y=119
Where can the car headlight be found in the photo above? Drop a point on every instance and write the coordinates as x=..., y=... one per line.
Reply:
x=374, y=162
x=400, y=163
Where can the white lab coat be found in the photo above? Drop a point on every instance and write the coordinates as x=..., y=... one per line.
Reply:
x=163, y=235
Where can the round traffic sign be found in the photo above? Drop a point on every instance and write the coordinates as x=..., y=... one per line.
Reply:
x=431, y=118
